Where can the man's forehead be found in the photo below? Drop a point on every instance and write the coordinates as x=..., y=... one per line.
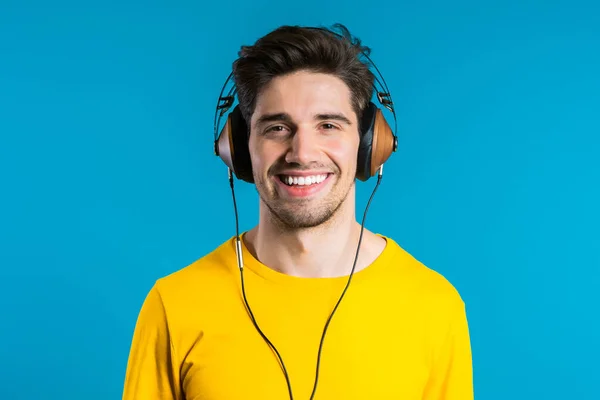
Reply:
x=304, y=97
x=305, y=86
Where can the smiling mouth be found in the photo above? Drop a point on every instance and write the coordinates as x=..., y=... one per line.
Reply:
x=302, y=181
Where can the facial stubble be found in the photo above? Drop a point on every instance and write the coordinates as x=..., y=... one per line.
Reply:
x=301, y=213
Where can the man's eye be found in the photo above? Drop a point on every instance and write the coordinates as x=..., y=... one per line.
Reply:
x=276, y=128
x=329, y=126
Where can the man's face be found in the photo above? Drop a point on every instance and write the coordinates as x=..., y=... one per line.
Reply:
x=303, y=144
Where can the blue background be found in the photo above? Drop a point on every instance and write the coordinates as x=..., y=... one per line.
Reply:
x=108, y=180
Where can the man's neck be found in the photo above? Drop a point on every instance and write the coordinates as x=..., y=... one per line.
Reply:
x=326, y=251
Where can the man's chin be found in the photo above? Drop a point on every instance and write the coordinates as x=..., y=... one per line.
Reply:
x=293, y=222
x=295, y=217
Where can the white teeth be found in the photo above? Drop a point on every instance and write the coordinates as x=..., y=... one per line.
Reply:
x=304, y=180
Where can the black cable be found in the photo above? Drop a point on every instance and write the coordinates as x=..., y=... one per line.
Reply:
x=287, y=378
x=362, y=227
x=237, y=234
x=238, y=247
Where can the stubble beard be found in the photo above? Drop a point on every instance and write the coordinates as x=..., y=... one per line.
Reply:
x=290, y=215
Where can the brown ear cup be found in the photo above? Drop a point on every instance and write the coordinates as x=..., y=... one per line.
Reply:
x=232, y=146
x=384, y=142
x=224, y=146
x=377, y=142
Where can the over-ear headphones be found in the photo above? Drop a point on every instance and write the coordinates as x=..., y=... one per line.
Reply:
x=377, y=141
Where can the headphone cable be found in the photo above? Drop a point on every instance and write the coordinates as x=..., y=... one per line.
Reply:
x=240, y=263
x=362, y=228
x=238, y=247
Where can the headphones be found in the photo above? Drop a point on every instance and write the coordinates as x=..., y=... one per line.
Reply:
x=377, y=141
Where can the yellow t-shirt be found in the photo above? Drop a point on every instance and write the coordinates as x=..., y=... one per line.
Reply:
x=399, y=333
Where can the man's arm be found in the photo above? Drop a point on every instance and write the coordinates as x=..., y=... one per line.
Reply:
x=152, y=372
x=452, y=374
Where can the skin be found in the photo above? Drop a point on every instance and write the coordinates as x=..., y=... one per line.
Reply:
x=311, y=235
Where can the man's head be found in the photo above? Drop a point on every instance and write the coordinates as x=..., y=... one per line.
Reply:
x=302, y=92
x=292, y=48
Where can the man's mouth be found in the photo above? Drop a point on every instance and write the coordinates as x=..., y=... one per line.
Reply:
x=308, y=180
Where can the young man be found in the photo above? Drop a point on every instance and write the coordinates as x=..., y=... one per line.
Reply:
x=207, y=332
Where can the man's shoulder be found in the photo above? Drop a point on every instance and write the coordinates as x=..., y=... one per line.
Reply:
x=214, y=266
x=424, y=281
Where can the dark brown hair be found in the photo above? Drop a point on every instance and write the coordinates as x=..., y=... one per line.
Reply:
x=292, y=48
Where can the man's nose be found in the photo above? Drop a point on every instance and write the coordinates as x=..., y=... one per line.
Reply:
x=304, y=147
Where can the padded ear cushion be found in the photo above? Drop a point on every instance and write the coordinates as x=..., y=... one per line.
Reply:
x=232, y=146
x=363, y=162
x=377, y=142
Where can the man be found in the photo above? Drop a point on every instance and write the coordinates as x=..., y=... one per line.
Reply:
x=281, y=329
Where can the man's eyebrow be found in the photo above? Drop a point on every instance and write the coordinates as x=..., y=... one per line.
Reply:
x=273, y=117
x=284, y=117
x=334, y=116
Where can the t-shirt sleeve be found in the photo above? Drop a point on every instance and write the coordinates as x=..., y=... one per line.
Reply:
x=152, y=371
x=452, y=373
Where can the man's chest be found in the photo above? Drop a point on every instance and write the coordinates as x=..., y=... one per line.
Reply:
x=362, y=356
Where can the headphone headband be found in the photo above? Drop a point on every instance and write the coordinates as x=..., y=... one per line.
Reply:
x=376, y=123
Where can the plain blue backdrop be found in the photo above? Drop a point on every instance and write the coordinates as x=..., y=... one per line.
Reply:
x=108, y=180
